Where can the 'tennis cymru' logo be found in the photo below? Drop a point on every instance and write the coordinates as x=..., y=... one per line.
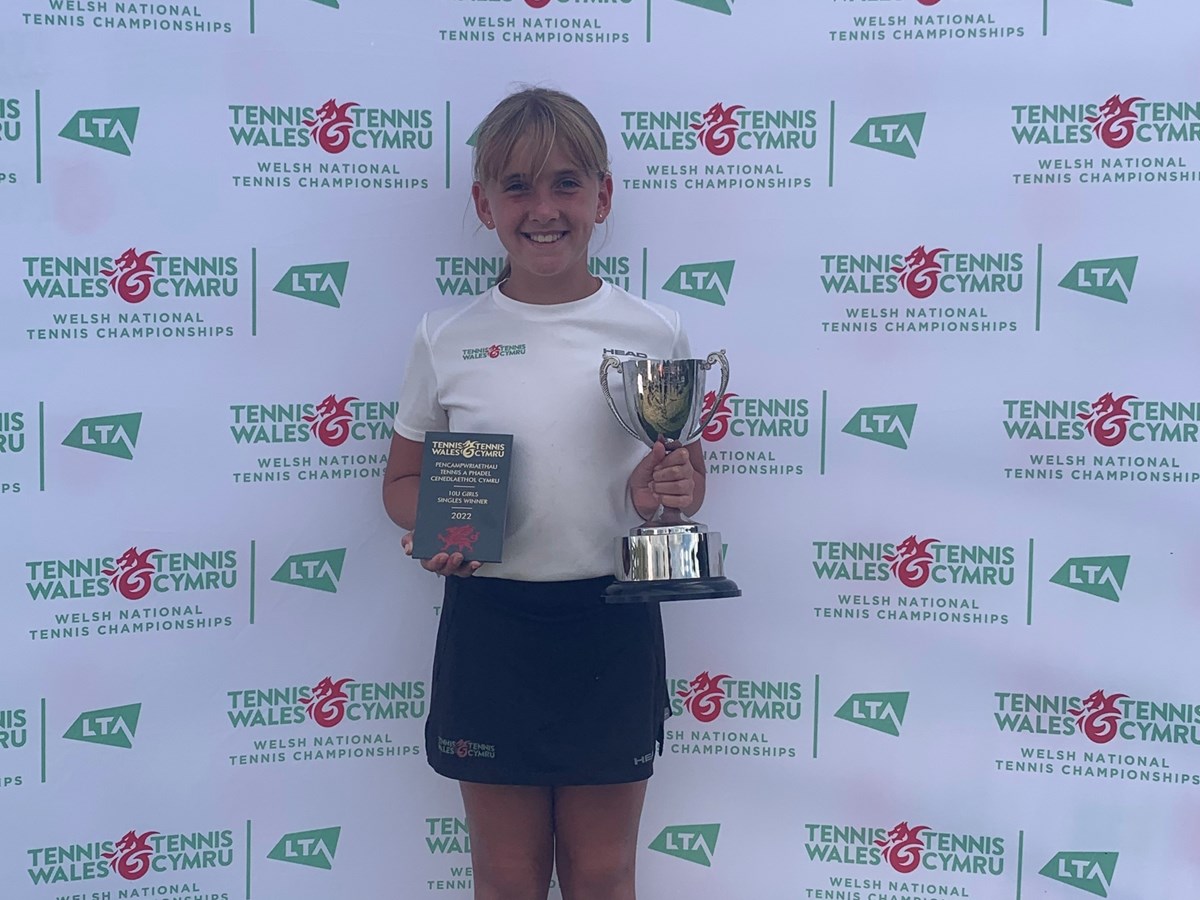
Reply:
x=1109, y=420
x=132, y=856
x=328, y=703
x=10, y=120
x=132, y=275
x=332, y=421
x=132, y=575
x=922, y=272
x=333, y=126
x=906, y=849
x=14, y=730
x=12, y=431
x=1115, y=123
x=708, y=698
x=914, y=562
x=1101, y=717
x=755, y=417
x=720, y=129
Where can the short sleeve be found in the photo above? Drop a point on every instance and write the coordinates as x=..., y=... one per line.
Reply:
x=419, y=410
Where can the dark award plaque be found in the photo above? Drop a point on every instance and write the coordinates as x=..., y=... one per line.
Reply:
x=463, y=495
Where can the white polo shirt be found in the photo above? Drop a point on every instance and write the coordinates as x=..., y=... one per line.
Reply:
x=499, y=365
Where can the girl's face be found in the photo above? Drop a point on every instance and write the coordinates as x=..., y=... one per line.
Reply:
x=544, y=211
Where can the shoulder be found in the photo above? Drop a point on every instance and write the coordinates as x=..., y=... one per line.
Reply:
x=438, y=322
x=650, y=313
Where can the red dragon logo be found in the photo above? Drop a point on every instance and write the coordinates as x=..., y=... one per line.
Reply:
x=902, y=847
x=331, y=422
x=718, y=129
x=460, y=537
x=919, y=274
x=1099, y=716
x=131, y=855
x=718, y=426
x=911, y=561
x=1108, y=419
x=133, y=576
x=703, y=696
x=537, y=4
x=131, y=274
x=1114, y=124
x=461, y=749
x=332, y=125
x=327, y=705
x=493, y=351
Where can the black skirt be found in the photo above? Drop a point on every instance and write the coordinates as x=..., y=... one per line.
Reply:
x=543, y=683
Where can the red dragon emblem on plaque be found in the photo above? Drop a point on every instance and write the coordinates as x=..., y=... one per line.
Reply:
x=332, y=125
x=703, y=696
x=718, y=128
x=902, y=847
x=131, y=274
x=131, y=855
x=134, y=573
x=1108, y=419
x=327, y=705
x=912, y=560
x=919, y=274
x=331, y=421
x=1114, y=124
x=1099, y=717
x=458, y=537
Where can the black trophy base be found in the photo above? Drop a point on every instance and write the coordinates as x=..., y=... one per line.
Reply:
x=671, y=589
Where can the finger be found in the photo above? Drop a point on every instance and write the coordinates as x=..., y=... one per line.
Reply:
x=672, y=488
x=658, y=452
x=434, y=563
x=406, y=542
x=676, y=501
x=671, y=473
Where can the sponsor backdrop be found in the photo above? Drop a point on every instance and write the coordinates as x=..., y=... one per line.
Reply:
x=946, y=246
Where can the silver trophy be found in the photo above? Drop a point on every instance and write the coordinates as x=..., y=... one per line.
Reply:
x=668, y=557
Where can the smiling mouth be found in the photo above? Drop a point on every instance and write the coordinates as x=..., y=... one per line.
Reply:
x=544, y=237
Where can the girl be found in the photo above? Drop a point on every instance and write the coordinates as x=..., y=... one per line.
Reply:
x=546, y=703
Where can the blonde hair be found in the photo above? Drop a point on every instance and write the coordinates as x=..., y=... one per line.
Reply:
x=543, y=118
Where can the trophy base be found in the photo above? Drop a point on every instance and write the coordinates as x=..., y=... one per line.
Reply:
x=669, y=562
x=671, y=589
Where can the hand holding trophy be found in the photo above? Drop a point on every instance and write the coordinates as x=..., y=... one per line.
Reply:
x=668, y=557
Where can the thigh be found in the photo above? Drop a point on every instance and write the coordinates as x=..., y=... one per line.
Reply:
x=596, y=835
x=512, y=838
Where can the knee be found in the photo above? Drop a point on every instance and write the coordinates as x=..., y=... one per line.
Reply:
x=510, y=877
x=605, y=871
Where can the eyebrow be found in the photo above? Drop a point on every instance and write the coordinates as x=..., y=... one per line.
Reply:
x=561, y=172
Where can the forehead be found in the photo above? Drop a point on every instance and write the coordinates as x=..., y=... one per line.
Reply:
x=531, y=157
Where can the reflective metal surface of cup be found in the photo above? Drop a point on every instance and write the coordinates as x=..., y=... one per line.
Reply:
x=669, y=557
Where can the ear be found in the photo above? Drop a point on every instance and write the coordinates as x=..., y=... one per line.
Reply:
x=604, y=198
x=482, y=208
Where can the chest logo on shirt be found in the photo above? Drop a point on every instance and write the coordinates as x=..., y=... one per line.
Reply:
x=610, y=352
x=493, y=351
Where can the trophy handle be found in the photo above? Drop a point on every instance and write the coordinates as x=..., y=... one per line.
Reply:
x=611, y=362
x=712, y=360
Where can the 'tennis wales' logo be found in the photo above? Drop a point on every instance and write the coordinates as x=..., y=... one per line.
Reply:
x=132, y=856
x=333, y=126
x=915, y=561
x=327, y=704
x=922, y=272
x=133, y=276
x=1116, y=122
x=1100, y=717
x=707, y=698
x=905, y=849
x=1109, y=420
x=132, y=575
x=720, y=129
x=332, y=421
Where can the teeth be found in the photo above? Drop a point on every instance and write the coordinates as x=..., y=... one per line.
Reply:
x=544, y=238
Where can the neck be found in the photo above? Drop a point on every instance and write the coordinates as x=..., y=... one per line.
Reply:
x=527, y=288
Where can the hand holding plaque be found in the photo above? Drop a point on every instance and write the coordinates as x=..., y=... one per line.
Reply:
x=668, y=557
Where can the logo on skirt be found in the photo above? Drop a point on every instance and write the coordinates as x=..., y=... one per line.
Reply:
x=464, y=749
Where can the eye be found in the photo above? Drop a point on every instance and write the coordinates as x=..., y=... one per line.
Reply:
x=514, y=186
x=569, y=184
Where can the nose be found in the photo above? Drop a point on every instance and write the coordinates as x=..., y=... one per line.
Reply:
x=543, y=208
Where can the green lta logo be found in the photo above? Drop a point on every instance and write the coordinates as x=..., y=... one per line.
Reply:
x=320, y=570
x=322, y=283
x=332, y=4
x=108, y=129
x=900, y=135
x=879, y=712
x=1100, y=576
x=113, y=727
x=717, y=6
x=694, y=843
x=891, y=425
x=1090, y=872
x=702, y=281
x=1110, y=279
x=109, y=435
x=308, y=848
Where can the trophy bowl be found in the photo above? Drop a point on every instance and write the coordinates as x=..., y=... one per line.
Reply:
x=669, y=556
